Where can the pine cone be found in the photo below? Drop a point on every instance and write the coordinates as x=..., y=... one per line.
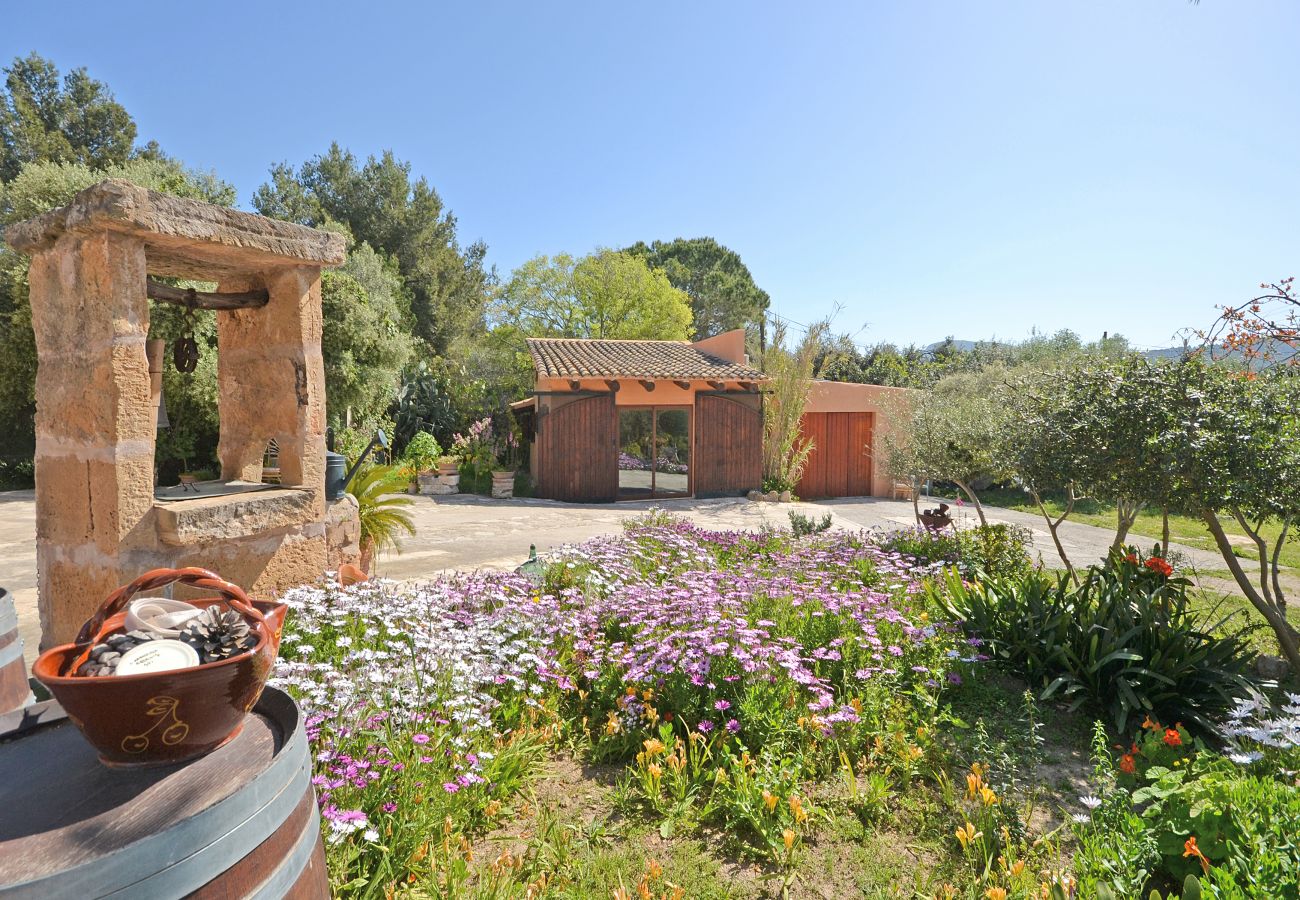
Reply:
x=104, y=656
x=218, y=634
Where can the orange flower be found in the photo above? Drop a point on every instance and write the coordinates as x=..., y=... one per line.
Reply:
x=1132, y=558
x=1172, y=738
x=1127, y=765
x=1190, y=849
x=1159, y=566
x=1150, y=724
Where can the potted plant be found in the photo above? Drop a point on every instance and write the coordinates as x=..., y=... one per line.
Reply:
x=504, y=463
x=449, y=465
x=476, y=451
x=419, y=458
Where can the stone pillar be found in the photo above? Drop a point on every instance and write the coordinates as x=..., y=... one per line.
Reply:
x=271, y=379
x=94, y=424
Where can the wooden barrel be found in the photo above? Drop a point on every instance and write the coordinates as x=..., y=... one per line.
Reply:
x=14, y=688
x=239, y=822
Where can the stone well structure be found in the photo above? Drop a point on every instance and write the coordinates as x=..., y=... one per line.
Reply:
x=97, y=519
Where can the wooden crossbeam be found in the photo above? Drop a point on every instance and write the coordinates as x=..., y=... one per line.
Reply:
x=684, y=385
x=718, y=385
x=192, y=299
x=574, y=384
x=612, y=385
x=648, y=385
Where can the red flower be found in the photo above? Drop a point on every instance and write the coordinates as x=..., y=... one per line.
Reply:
x=1132, y=557
x=1172, y=738
x=1159, y=566
x=1127, y=765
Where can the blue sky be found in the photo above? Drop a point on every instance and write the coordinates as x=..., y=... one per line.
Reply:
x=932, y=167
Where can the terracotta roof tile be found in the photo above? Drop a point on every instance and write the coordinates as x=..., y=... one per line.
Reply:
x=573, y=358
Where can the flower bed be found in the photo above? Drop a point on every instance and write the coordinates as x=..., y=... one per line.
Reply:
x=767, y=690
x=428, y=704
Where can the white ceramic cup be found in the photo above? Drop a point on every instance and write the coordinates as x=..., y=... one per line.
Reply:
x=159, y=615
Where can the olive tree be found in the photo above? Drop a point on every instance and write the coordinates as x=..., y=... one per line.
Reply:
x=1239, y=460
x=956, y=432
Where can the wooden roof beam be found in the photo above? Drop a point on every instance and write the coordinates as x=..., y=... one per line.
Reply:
x=192, y=299
x=648, y=385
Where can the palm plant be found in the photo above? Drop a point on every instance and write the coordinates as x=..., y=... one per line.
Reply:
x=381, y=507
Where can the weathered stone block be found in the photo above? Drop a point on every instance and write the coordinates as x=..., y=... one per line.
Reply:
x=206, y=520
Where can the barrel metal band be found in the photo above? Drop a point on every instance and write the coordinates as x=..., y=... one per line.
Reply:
x=10, y=651
x=8, y=614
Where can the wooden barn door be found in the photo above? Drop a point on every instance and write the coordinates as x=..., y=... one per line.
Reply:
x=840, y=463
x=577, y=449
x=728, y=444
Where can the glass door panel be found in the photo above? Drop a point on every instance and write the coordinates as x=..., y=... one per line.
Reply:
x=635, y=451
x=672, y=468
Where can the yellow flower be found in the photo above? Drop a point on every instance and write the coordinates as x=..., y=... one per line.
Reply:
x=987, y=797
x=653, y=870
x=769, y=800
x=787, y=836
x=967, y=834
x=973, y=785
x=1017, y=868
x=996, y=893
x=796, y=807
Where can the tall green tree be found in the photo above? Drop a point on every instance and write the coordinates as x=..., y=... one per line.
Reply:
x=71, y=120
x=605, y=295
x=722, y=290
x=364, y=344
x=381, y=204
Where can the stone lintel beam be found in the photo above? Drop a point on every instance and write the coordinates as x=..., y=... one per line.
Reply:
x=184, y=238
x=201, y=521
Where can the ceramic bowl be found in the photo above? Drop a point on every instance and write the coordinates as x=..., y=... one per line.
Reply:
x=156, y=718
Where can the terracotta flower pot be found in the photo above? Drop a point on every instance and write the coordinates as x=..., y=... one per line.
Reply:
x=503, y=485
x=448, y=468
x=156, y=718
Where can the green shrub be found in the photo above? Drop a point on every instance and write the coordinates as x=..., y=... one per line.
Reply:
x=1200, y=823
x=803, y=525
x=994, y=550
x=1125, y=640
x=997, y=550
x=421, y=453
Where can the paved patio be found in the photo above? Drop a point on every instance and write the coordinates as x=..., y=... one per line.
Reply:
x=470, y=532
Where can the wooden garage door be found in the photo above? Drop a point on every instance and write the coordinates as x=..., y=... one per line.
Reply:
x=577, y=449
x=728, y=444
x=840, y=463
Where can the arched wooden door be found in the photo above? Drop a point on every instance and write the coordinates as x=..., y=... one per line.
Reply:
x=728, y=443
x=577, y=448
